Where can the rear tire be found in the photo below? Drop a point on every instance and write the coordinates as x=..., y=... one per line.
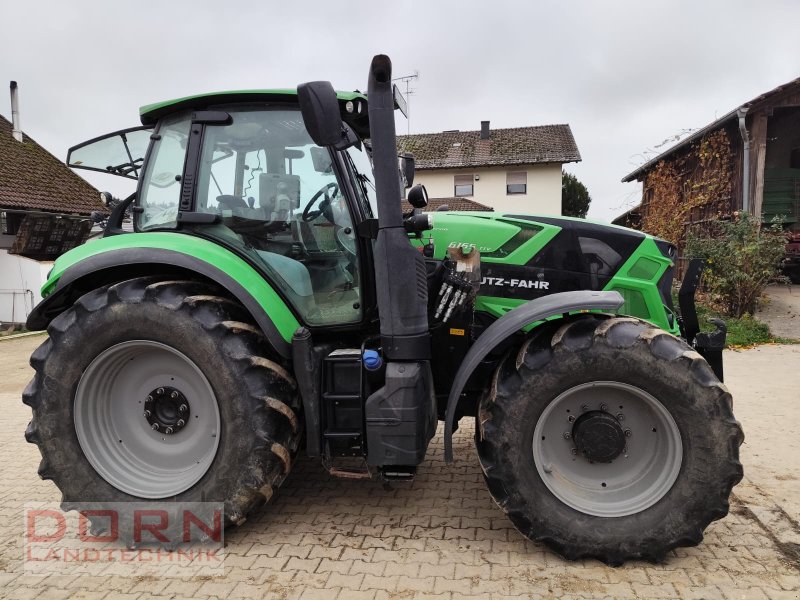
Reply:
x=657, y=477
x=186, y=342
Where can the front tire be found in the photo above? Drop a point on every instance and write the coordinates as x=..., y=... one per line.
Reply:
x=609, y=438
x=161, y=390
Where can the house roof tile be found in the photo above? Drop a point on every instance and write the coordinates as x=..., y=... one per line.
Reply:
x=515, y=146
x=451, y=203
x=33, y=179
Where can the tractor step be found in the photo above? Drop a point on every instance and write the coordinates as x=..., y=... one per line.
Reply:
x=348, y=468
x=399, y=473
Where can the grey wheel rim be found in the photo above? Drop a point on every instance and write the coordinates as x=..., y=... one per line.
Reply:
x=638, y=477
x=117, y=436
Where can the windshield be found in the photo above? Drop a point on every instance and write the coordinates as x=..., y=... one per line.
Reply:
x=159, y=196
x=362, y=164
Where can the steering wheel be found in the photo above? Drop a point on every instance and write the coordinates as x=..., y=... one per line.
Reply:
x=329, y=190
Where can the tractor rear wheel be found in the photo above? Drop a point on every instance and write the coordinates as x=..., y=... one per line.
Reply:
x=161, y=390
x=608, y=438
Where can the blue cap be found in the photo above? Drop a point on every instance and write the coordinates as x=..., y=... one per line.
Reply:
x=372, y=360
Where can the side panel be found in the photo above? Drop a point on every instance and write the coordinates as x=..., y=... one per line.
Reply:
x=205, y=257
x=636, y=281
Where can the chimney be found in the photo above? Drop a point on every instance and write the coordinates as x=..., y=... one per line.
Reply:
x=16, y=131
x=484, y=130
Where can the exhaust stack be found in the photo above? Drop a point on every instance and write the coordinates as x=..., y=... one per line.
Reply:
x=16, y=131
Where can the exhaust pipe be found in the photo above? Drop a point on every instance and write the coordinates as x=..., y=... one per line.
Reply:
x=400, y=417
x=16, y=131
x=400, y=274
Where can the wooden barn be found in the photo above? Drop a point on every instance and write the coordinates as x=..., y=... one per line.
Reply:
x=747, y=160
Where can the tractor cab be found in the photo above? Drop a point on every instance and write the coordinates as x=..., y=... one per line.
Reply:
x=241, y=169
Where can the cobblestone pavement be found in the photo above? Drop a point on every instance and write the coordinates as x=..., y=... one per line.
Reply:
x=441, y=536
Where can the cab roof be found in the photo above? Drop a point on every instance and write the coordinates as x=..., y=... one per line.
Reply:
x=150, y=113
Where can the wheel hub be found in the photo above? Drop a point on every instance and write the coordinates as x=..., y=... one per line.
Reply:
x=598, y=436
x=166, y=410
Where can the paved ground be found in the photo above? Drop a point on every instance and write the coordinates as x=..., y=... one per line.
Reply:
x=442, y=537
x=782, y=311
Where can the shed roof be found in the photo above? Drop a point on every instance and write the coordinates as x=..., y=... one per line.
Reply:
x=33, y=179
x=762, y=98
x=514, y=146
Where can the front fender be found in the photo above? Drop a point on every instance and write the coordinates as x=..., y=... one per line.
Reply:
x=514, y=320
x=149, y=251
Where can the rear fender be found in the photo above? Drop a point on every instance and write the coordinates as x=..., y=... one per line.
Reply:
x=514, y=320
x=118, y=264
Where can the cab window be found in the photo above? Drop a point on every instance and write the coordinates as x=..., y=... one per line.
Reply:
x=280, y=203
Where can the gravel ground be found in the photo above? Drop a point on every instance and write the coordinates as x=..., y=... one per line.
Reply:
x=782, y=311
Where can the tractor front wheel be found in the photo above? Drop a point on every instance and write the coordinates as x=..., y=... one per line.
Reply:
x=609, y=438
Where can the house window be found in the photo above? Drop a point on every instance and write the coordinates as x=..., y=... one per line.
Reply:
x=9, y=223
x=464, y=185
x=517, y=182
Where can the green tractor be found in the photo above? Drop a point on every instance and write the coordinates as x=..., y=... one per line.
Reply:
x=274, y=298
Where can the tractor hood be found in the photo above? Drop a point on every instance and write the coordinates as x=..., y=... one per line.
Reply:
x=514, y=238
x=524, y=257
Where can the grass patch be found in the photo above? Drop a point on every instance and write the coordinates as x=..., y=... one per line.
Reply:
x=744, y=331
x=8, y=330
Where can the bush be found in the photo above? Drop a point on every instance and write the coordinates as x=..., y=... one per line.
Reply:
x=742, y=257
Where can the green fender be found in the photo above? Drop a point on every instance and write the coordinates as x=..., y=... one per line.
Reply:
x=72, y=270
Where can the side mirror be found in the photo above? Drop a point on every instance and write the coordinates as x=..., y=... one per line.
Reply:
x=320, y=110
x=407, y=168
x=418, y=196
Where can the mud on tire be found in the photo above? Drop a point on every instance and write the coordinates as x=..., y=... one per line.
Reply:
x=258, y=408
x=652, y=364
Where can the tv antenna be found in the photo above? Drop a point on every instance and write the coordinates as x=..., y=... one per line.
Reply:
x=407, y=79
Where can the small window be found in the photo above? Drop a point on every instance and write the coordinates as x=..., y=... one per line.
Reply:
x=794, y=158
x=517, y=182
x=464, y=185
x=10, y=223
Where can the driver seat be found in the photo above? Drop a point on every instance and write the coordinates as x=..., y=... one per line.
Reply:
x=278, y=195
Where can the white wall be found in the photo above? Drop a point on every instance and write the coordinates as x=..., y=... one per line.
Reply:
x=20, y=281
x=543, y=195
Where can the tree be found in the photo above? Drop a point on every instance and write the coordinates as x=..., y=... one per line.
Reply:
x=575, y=198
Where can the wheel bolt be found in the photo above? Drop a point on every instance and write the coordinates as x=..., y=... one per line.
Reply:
x=147, y=414
x=180, y=423
x=168, y=430
x=183, y=408
x=603, y=407
x=149, y=399
x=160, y=391
x=620, y=417
x=574, y=451
x=174, y=395
x=155, y=426
x=628, y=433
x=567, y=435
x=584, y=407
x=571, y=418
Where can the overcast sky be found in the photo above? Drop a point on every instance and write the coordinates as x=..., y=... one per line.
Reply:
x=625, y=75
